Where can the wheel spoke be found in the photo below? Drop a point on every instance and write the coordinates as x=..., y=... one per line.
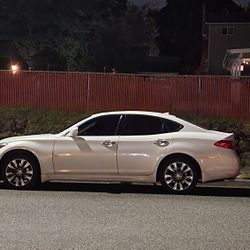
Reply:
x=183, y=165
x=167, y=176
x=15, y=163
x=181, y=186
x=9, y=174
x=29, y=172
x=28, y=177
x=26, y=165
x=11, y=167
x=175, y=166
x=172, y=167
x=22, y=163
x=187, y=182
x=186, y=170
x=22, y=182
x=16, y=182
x=189, y=177
x=10, y=179
x=169, y=181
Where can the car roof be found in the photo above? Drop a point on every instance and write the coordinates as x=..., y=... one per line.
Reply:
x=133, y=112
x=165, y=115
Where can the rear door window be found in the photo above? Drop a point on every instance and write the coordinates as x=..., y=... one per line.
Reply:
x=142, y=125
x=172, y=126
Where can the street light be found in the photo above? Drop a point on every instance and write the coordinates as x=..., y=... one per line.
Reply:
x=14, y=68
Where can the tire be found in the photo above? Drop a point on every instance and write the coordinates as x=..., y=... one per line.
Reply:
x=178, y=175
x=20, y=171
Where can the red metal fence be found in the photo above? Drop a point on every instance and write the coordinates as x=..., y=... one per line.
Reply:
x=206, y=95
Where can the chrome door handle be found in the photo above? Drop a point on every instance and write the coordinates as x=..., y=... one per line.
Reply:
x=108, y=144
x=161, y=143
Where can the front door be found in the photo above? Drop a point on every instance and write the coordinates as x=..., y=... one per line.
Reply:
x=93, y=151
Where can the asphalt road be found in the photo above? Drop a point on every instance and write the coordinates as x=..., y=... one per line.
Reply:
x=102, y=216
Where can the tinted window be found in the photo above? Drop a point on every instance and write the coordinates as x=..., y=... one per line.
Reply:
x=103, y=125
x=142, y=125
x=172, y=126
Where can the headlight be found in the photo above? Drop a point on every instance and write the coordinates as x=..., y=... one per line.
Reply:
x=2, y=145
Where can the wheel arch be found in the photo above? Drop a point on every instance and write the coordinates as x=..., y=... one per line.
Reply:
x=21, y=152
x=178, y=155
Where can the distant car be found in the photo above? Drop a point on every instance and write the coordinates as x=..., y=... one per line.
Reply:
x=129, y=146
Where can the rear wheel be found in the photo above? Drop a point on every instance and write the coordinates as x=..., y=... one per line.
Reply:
x=178, y=176
x=20, y=171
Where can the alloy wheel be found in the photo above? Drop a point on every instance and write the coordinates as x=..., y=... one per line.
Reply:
x=178, y=176
x=19, y=172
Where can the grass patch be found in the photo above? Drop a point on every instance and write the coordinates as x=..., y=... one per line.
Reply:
x=244, y=174
x=18, y=121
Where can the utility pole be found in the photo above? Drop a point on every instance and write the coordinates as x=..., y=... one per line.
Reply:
x=203, y=21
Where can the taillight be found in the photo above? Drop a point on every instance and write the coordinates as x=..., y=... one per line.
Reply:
x=225, y=144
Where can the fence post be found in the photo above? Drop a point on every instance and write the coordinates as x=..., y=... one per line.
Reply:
x=88, y=90
x=173, y=91
x=198, y=95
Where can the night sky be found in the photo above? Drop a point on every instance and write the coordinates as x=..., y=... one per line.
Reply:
x=243, y=2
x=161, y=3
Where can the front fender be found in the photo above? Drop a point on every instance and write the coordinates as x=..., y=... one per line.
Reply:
x=41, y=149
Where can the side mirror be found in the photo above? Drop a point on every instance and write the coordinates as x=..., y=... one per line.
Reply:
x=73, y=132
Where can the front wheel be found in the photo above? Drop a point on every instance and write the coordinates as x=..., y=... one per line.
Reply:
x=20, y=171
x=178, y=176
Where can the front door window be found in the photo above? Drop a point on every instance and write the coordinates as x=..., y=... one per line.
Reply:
x=100, y=126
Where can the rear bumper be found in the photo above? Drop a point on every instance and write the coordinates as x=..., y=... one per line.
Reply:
x=222, y=167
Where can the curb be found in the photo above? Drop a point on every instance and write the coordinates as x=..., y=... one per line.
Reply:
x=234, y=184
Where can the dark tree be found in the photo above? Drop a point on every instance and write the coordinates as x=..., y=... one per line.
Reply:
x=74, y=34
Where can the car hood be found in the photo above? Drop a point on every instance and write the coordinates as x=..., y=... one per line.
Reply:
x=29, y=138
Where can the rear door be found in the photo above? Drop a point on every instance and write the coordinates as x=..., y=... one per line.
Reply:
x=143, y=141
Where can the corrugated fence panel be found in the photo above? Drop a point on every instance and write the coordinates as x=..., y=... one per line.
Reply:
x=88, y=92
x=185, y=94
x=244, y=99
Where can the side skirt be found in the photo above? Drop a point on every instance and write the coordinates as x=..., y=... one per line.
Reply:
x=99, y=178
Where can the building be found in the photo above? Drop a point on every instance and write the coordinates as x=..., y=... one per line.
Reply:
x=222, y=37
x=237, y=61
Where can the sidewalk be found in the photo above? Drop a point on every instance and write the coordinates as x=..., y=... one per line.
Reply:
x=227, y=184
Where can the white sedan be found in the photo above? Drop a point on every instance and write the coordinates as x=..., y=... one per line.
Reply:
x=129, y=146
